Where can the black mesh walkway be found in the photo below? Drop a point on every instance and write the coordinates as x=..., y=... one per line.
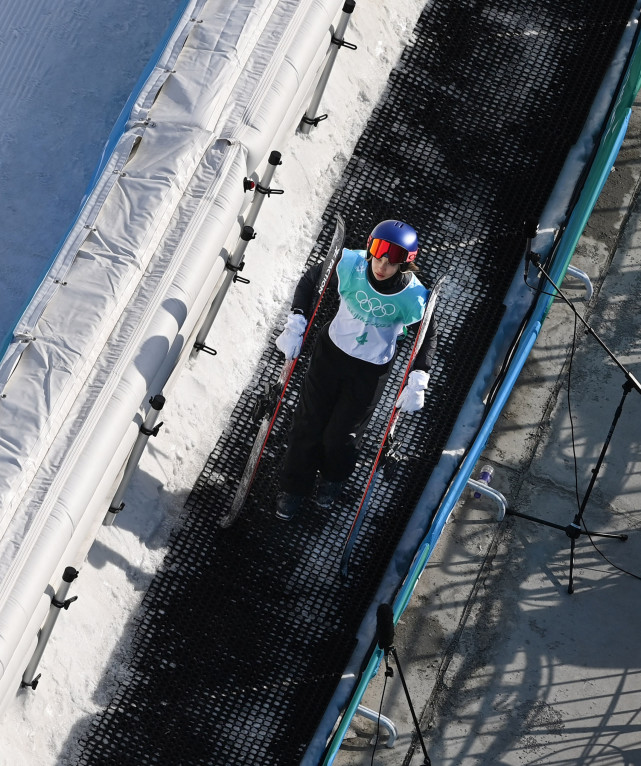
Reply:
x=245, y=632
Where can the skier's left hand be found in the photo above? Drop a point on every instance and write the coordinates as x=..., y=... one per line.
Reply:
x=412, y=397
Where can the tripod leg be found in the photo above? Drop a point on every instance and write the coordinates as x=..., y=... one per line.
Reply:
x=427, y=761
x=571, y=578
x=610, y=535
x=574, y=529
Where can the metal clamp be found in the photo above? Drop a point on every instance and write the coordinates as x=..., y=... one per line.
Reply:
x=313, y=120
x=340, y=43
x=63, y=604
x=235, y=269
x=207, y=349
x=266, y=190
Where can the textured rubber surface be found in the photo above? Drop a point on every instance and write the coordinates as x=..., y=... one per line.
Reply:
x=245, y=632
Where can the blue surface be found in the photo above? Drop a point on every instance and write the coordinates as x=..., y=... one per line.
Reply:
x=72, y=72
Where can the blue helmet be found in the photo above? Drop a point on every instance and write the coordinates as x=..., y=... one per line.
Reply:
x=395, y=240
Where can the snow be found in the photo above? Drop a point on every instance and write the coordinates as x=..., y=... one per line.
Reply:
x=65, y=77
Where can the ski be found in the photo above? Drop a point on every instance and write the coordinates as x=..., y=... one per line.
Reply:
x=386, y=451
x=268, y=404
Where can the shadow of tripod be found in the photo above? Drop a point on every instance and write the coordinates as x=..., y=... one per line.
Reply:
x=575, y=529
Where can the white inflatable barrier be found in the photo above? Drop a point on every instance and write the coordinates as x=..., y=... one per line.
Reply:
x=122, y=304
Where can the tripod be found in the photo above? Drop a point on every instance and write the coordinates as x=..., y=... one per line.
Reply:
x=575, y=530
x=385, y=639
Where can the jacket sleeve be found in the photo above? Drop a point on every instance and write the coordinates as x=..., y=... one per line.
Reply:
x=305, y=293
x=425, y=354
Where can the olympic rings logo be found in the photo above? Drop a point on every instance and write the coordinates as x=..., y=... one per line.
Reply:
x=373, y=305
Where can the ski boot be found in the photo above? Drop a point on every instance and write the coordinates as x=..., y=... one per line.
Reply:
x=327, y=492
x=288, y=505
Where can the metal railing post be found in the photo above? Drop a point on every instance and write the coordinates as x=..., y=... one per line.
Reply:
x=58, y=602
x=498, y=498
x=311, y=118
x=233, y=266
x=147, y=429
x=235, y=262
x=384, y=721
x=573, y=271
x=262, y=189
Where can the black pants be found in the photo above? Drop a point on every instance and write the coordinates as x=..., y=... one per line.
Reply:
x=337, y=400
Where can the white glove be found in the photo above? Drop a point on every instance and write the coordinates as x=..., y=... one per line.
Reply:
x=291, y=339
x=412, y=397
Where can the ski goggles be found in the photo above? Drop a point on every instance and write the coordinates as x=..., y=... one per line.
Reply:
x=394, y=253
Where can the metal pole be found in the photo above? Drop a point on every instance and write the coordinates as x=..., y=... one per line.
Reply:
x=310, y=117
x=384, y=721
x=493, y=493
x=573, y=271
x=263, y=189
x=58, y=602
x=236, y=260
x=147, y=429
x=234, y=265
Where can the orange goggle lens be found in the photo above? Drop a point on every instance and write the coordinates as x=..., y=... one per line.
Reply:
x=394, y=253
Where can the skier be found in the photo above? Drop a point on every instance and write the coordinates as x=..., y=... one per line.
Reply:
x=380, y=297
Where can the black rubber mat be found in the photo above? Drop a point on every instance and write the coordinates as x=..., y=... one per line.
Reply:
x=245, y=632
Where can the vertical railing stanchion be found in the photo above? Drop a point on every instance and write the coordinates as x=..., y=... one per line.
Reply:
x=58, y=602
x=147, y=429
x=235, y=262
x=263, y=189
x=311, y=117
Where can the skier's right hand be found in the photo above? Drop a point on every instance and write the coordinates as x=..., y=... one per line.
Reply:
x=291, y=339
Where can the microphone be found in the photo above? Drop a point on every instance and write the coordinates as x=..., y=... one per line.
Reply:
x=385, y=627
x=530, y=229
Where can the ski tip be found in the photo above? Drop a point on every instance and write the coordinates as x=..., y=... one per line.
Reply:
x=226, y=521
x=344, y=570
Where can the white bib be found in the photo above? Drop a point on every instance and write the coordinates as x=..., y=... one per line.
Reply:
x=368, y=323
